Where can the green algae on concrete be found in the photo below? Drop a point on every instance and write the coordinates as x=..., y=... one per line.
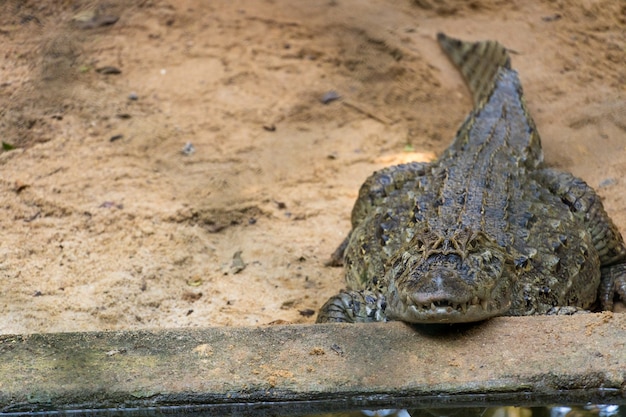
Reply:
x=533, y=360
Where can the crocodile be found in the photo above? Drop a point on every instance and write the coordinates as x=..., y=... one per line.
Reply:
x=484, y=230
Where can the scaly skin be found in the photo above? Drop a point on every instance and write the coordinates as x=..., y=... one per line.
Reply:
x=485, y=230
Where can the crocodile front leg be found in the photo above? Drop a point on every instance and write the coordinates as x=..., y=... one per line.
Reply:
x=585, y=204
x=353, y=307
x=612, y=281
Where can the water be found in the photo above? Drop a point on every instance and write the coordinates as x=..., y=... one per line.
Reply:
x=300, y=410
x=504, y=411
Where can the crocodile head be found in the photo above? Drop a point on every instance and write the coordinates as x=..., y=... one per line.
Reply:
x=462, y=277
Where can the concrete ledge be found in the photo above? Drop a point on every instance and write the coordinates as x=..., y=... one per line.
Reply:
x=318, y=368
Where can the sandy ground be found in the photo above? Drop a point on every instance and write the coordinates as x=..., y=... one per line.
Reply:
x=106, y=222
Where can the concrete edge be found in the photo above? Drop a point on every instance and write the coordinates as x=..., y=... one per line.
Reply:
x=316, y=368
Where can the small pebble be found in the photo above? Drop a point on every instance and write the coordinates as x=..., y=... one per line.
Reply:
x=329, y=97
x=111, y=204
x=133, y=96
x=108, y=70
x=92, y=20
x=238, y=264
x=551, y=18
x=337, y=349
x=607, y=182
x=115, y=137
x=188, y=149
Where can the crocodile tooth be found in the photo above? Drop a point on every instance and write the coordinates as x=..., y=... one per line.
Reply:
x=475, y=300
x=484, y=304
x=432, y=306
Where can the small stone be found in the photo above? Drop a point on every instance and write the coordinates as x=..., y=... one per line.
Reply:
x=237, y=264
x=188, y=149
x=91, y=19
x=607, y=182
x=133, y=96
x=551, y=18
x=337, y=349
x=108, y=70
x=330, y=96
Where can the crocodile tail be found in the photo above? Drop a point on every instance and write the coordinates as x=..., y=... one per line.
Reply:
x=479, y=63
